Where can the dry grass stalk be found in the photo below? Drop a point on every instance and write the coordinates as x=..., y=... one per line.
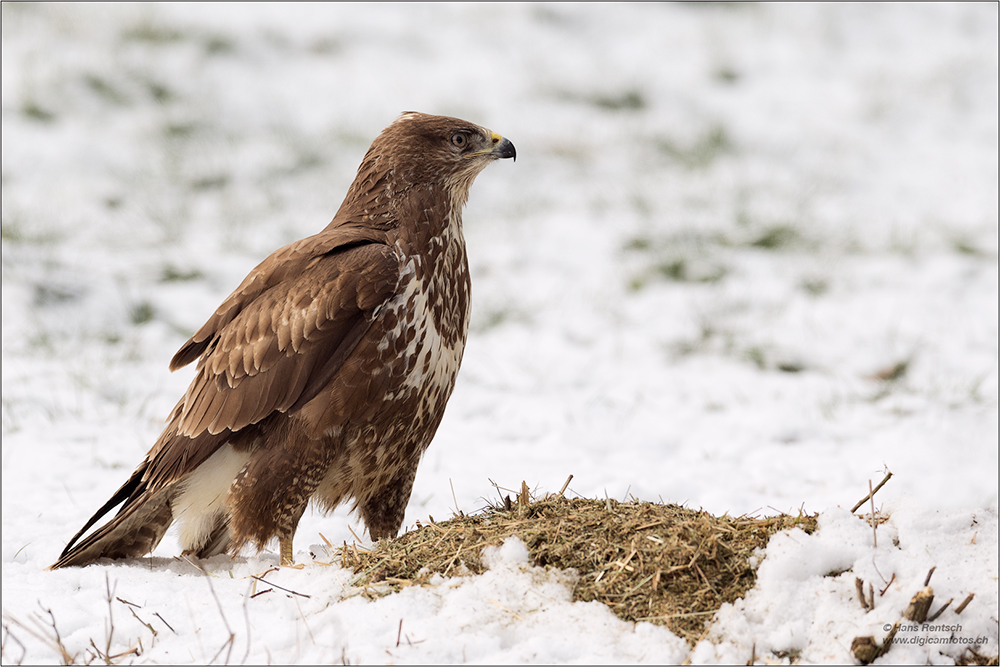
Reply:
x=660, y=563
x=974, y=657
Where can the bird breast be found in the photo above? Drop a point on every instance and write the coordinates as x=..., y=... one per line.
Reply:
x=431, y=320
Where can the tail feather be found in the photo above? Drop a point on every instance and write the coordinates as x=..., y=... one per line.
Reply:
x=218, y=542
x=135, y=531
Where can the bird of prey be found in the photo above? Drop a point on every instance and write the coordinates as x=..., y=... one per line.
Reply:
x=325, y=374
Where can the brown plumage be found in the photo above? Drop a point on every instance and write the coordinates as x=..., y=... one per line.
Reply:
x=325, y=375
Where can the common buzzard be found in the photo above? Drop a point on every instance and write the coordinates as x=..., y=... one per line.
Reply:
x=325, y=375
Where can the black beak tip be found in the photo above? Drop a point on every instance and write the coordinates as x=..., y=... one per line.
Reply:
x=506, y=149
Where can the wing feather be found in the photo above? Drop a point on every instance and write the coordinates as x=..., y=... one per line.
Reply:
x=277, y=341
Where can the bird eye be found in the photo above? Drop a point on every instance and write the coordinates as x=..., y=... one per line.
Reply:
x=459, y=140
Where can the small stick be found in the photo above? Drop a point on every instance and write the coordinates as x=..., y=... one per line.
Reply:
x=871, y=497
x=882, y=592
x=287, y=590
x=965, y=603
x=862, y=501
x=927, y=581
x=753, y=654
x=142, y=621
x=871, y=596
x=933, y=617
x=157, y=614
x=565, y=485
x=399, y=633
x=860, y=587
x=887, y=642
x=875, y=565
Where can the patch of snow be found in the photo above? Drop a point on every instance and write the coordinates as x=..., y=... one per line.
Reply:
x=725, y=223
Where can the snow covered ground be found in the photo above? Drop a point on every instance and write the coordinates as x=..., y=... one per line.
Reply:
x=746, y=261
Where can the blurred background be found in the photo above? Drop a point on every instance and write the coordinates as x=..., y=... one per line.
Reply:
x=746, y=259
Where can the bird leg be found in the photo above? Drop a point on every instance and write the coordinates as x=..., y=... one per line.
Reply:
x=285, y=534
x=383, y=512
x=285, y=549
x=270, y=493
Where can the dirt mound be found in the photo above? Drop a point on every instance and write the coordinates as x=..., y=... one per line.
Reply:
x=664, y=564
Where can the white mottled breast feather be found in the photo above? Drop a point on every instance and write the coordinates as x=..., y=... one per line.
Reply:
x=432, y=362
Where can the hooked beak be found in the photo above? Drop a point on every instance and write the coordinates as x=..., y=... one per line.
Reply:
x=503, y=149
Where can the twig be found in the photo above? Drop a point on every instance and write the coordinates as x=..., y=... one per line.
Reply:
x=933, y=617
x=109, y=659
x=872, y=493
x=41, y=635
x=151, y=629
x=871, y=596
x=930, y=573
x=399, y=633
x=565, y=485
x=965, y=603
x=287, y=590
x=8, y=635
x=887, y=642
x=157, y=614
x=860, y=588
x=882, y=592
x=753, y=654
x=875, y=565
